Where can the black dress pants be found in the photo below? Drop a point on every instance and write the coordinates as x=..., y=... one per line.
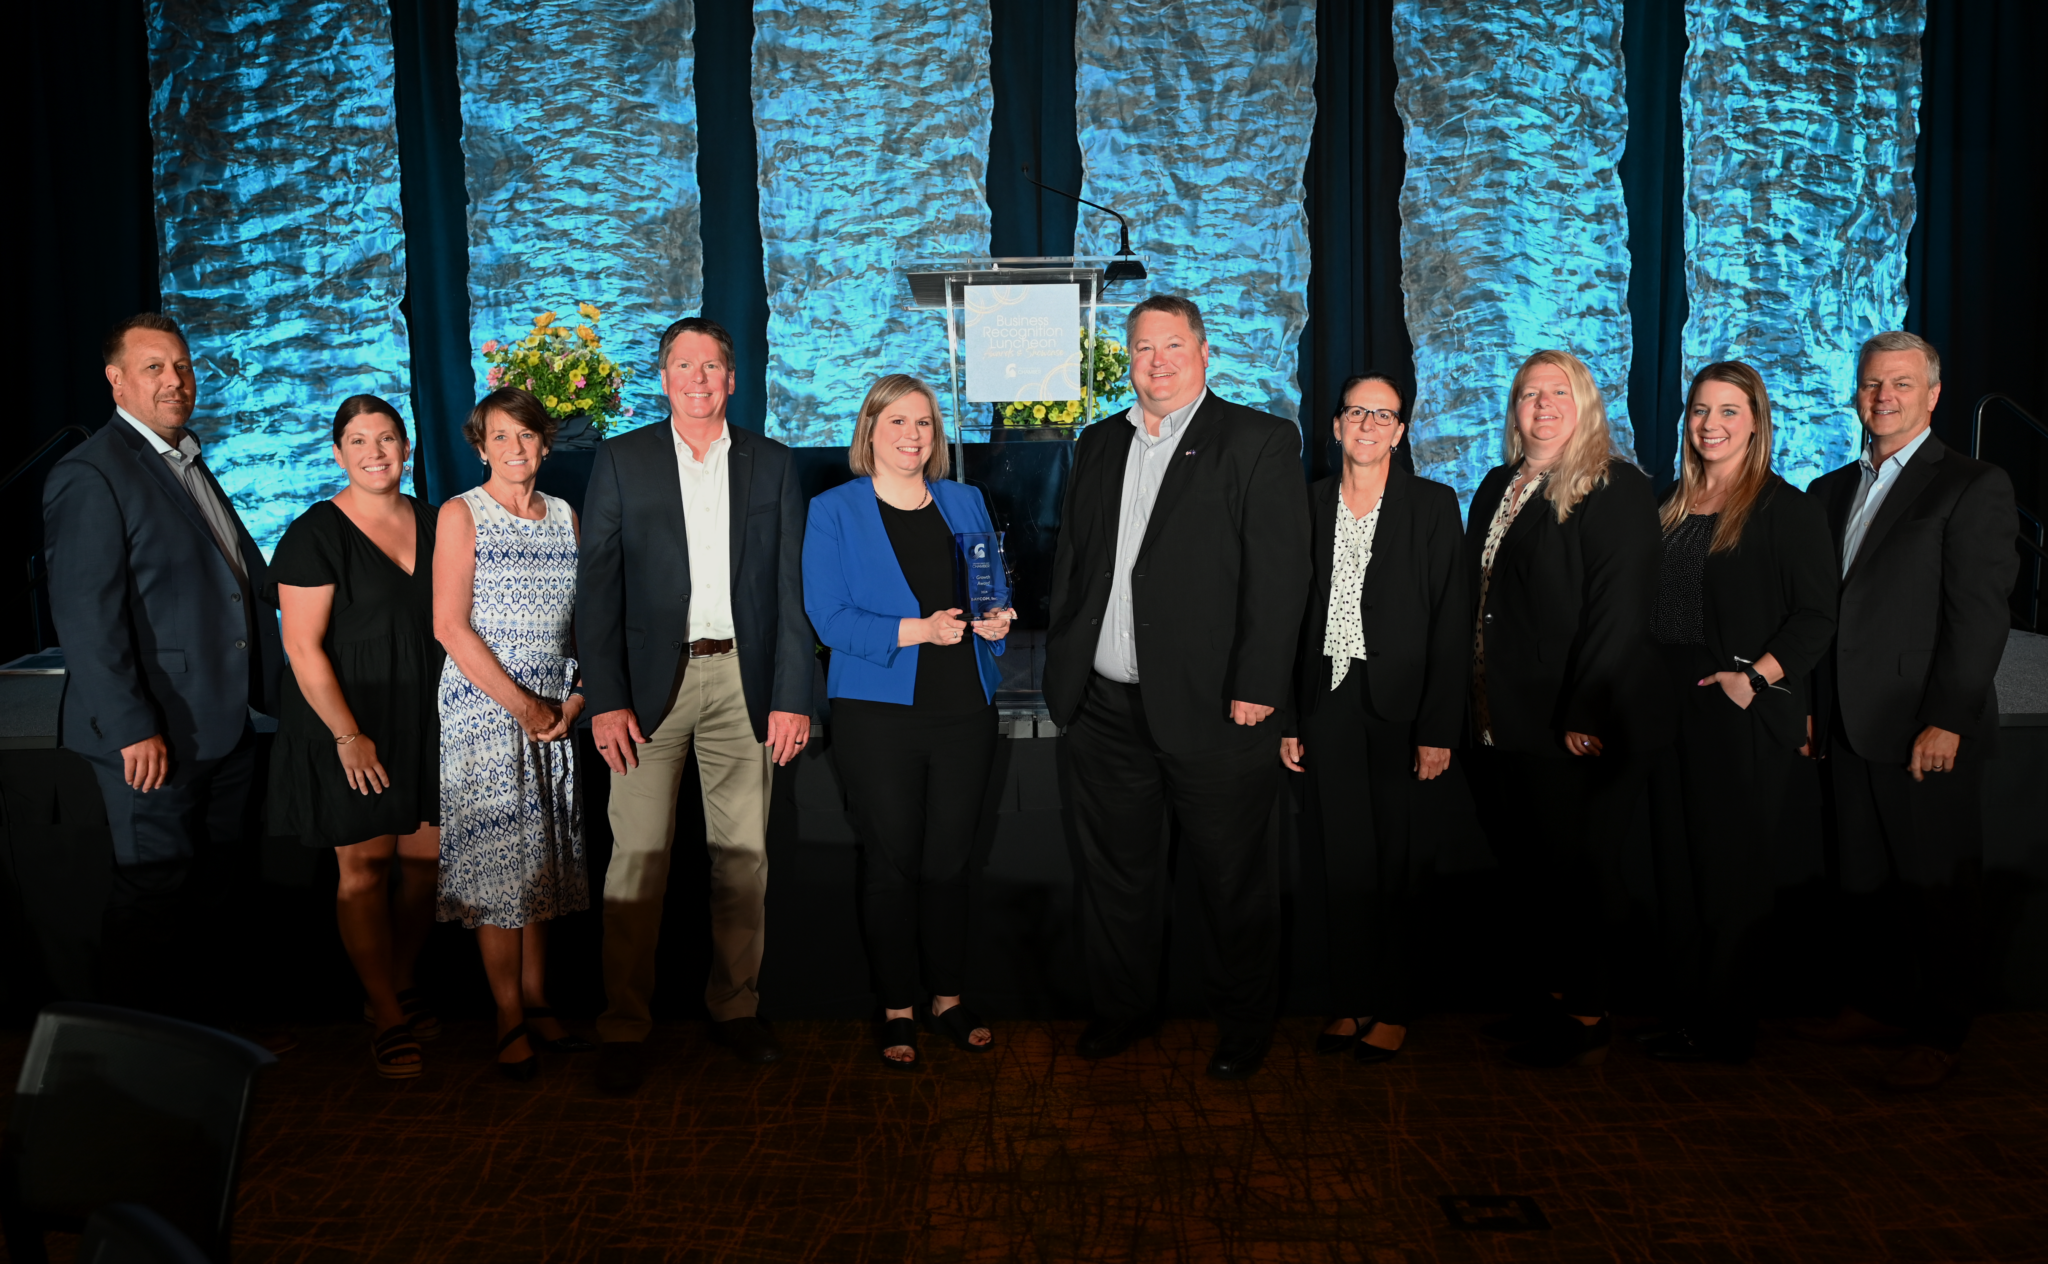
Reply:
x=1557, y=824
x=1912, y=858
x=1123, y=786
x=916, y=784
x=1361, y=770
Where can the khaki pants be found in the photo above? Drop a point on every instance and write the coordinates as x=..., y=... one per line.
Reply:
x=711, y=710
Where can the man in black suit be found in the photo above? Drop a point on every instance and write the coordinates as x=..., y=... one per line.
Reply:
x=690, y=628
x=1926, y=549
x=1178, y=592
x=153, y=584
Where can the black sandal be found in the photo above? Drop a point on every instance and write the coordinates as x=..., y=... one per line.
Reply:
x=426, y=1024
x=894, y=1032
x=526, y=1068
x=567, y=1044
x=389, y=1045
x=957, y=1024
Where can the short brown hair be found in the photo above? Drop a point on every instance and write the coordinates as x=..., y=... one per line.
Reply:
x=366, y=406
x=695, y=325
x=523, y=407
x=1172, y=305
x=110, y=348
x=886, y=391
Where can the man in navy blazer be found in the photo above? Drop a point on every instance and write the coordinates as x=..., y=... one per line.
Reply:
x=153, y=583
x=691, y=631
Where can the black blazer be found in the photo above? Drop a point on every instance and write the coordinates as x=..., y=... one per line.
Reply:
x=1924, y=609
x=157, y=632
x=633, y=577
x=1568, y=617
x=1774, y=593
x=1218, y=586
x=1415, y=606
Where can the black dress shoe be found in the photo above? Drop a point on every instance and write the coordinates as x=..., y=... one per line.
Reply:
x=621, y=1066
x=1107, y=1037
x=1682, y=1043
x=749, y=1039
x=1565, y=1041
x=1239, y=1053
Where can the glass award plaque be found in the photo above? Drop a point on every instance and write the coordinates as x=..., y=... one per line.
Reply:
x=978, y=572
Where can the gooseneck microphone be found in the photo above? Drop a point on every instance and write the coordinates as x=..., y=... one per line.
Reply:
x=1126, y=266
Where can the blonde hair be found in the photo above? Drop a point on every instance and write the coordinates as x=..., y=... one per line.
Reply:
x=886, y=391
x=1756, y=463
x=1583, y=466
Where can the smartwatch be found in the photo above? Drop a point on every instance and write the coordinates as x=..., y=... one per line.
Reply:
x=1757, y=683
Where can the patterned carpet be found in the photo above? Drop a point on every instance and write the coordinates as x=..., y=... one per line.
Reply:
x=1032, y=1154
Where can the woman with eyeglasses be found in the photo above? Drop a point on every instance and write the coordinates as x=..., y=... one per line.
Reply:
x=1746, y=595
x=1379, y=700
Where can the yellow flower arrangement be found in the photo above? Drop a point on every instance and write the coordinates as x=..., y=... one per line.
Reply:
x=1108, y=381
x=570, y=375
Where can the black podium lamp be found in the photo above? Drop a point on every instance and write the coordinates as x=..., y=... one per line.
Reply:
x=1126, y=266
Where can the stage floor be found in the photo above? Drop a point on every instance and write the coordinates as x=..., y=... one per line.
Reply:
x=1032, y=1154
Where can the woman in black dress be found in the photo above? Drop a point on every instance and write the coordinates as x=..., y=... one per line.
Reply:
x=1745, y=609
x=1380, y=696
x=356, y=765
x=1568, y=708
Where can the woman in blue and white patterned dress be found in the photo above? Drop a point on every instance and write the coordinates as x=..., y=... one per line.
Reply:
x=511, y=828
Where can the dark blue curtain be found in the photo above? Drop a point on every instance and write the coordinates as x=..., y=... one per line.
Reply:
x=735, y=286
x=1031, y=81
x=1653, y=184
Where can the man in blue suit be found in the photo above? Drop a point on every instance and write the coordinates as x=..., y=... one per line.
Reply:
x=153, y=584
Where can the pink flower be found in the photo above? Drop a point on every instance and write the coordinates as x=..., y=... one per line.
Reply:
x=579, y=381
x=490, y=346
x=495, y=376
x=629, y=410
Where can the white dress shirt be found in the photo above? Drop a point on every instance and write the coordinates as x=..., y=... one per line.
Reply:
x=707, y=525
x=191, y=475
x=1877, y=484
x=1116, y=650
x=1344, y=634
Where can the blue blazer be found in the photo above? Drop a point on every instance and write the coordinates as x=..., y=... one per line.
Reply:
x=856, y=595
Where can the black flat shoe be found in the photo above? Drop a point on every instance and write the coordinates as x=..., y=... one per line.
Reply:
x=749, y=1039
x=894, y=1032
x=1328, y=1044
x=957, y=1025
x=567, y=1044
x=1240, y=1053
x=1565, y=1041
x=1107, y=1037
x=524, y=1069
x=1372, y=1055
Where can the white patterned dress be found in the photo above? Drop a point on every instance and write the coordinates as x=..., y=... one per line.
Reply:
x=511, y=828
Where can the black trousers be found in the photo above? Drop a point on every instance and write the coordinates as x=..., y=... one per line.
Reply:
x=179, y=855
x=1225, y=800
x=1724, y=800
x=1361, y=771
x=916, y=785
x=1557, y=824
x=1912, y=857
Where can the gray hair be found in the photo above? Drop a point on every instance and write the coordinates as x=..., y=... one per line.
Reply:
x=1900, y=340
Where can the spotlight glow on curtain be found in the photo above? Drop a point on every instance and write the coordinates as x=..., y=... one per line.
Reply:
x=276, y=172
x=579, y=139
x=1800, y=125
x=872, y=123
x=1514, y=236
x=1195, y=123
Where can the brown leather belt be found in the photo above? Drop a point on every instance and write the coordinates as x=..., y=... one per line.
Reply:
x=708, y=647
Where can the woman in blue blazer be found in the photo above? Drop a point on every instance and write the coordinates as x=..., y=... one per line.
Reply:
x=913, y=687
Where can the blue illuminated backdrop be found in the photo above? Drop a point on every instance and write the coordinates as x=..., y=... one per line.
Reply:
x=1514, y=235
x=282, y=244
x=1195, y=123
x=579, y=138
x=1800, y=124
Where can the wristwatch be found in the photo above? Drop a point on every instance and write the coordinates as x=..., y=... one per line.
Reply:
x=1757, y=683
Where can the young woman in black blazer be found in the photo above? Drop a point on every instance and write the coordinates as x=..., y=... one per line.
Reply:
x=1745, y=609
x=1567, y=704
x=1380, y=698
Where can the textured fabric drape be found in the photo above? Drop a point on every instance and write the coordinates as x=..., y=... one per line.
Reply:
x=283, y=243
x=1195, y=123
x=1799, y=198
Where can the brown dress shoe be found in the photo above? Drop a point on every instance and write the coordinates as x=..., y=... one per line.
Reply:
x=1923, y=1067
x=1850, y=1027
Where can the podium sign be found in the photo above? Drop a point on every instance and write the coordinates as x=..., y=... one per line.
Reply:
x=1022, y=342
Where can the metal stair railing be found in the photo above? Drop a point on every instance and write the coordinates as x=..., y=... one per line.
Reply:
x=2032, y=535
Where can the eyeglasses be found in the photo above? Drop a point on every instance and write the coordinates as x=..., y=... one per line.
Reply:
x=1381, y=417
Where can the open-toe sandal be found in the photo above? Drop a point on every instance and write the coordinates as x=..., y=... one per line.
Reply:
x=526, y=1068
x=426, y=1024
x=570, y=1043
x=894, y=1032
x=392, y=1044
x=957, y=1025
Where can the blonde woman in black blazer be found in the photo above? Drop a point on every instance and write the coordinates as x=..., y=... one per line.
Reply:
x=1380, y=698
x=1745, y=610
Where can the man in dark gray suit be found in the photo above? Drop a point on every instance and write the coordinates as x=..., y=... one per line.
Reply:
x=153, y=583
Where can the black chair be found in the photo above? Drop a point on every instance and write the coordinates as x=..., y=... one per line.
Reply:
x=129, y=1233
x=116, y=1106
